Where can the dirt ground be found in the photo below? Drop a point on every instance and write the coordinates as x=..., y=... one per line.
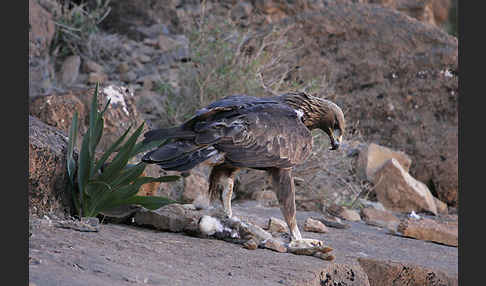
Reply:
x=128, y=255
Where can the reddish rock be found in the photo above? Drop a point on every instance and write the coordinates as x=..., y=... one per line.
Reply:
x=379, y=218
x=149, y=189
x=70, y=70
x=276, y=225
x=343, y=212
x=418, y=9
x=313, y=225
x=41, y=29
x=90, y=66
x=373, y=156
x=41, y=33
x=398, y=191
x=385, y=273
x=250, y=244
x=275, y=245
x=58, y=111
x=441, y=206
x=430, y=230
x=47, y=179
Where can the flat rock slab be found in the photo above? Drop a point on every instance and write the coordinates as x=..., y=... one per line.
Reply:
x=129, y=255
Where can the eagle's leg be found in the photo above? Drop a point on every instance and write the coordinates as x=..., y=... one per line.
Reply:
x=221, y=182
x=283, y=184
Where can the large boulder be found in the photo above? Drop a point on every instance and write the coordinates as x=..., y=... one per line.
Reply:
x=47, y=170
x=58, y=111
x=398, y=191
x=373, y=156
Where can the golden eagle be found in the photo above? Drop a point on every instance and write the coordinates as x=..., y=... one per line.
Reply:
x=240, y=131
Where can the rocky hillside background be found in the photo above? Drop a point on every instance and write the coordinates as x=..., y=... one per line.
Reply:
x=391, y=66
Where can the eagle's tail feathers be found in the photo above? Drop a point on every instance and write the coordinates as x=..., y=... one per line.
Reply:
x=179, y=157
x=167, y=133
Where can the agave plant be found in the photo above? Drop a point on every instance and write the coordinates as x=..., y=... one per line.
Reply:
x=97, y=185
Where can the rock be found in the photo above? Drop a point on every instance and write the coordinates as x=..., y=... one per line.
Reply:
x=379, y=218
x=343, y=212
x=258, y=233
x=129, y=76
x=178, y=52
x=399, y=191
x=250, y=244
x=70, y=70
x=119, y=116
x=41, y=30
x=430, y=230
x=343, y=274
x=58, y=111
x=265, y=197
x=373, y=156
x=370, y=204
x=47, y=170
x=90, y=66
x=274, y=244
x=196, y=187
x=384, y=273
x=332, y=221
x=420, y=10
x=277, y=225
x=149, y=189
x=241, y=11
x=166, y=43
x=139, y=20
x=86, y=224
x=173, y=217
x=97, y=77
x=41, y=33
x=123, y=67
x=441, y=206
x=441, y=10
x=313, y=225
x=143, y=58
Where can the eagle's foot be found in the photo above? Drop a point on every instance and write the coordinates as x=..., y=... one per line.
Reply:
x=311, y=247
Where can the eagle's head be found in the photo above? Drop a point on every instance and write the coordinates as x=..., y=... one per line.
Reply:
x=319, y=113
x=330, y=119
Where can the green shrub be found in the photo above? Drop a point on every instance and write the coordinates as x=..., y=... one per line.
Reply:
x=98, y=186
x=75, y=25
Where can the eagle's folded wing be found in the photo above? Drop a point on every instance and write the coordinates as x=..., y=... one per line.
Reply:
x=266, y=136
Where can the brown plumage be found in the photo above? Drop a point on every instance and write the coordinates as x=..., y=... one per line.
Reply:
x=239, y=131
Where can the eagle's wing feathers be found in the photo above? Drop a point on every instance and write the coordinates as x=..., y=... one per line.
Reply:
x=249, y=131
x=266, y=135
